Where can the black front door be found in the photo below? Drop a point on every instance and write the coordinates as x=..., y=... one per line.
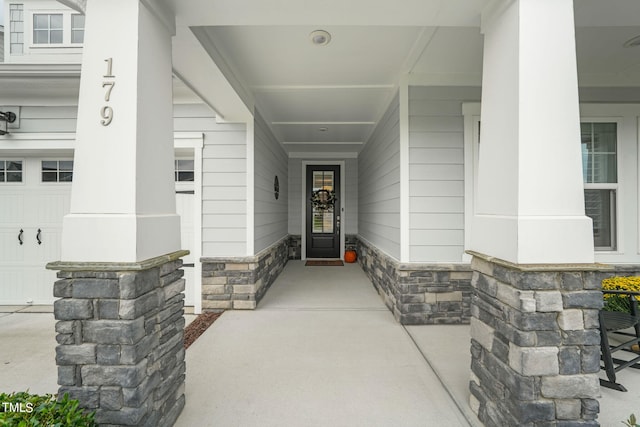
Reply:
x=323, y=211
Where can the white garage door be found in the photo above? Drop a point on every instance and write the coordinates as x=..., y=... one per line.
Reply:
x=34, y=197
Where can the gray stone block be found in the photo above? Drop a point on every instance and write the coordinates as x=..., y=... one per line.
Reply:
x=125, y=416
x=108, y=308
x=136, y=396
x=136, y=307
x=76, y=354
x=108, y=354
x=62, y=289
x=533, y=321
x=73, y=309
x=95, y=288
x=572, y=281
x=583, y=299
x=172, y=413
x=531, y=411
x=67, y=375
x=111, y=398
x=114, y=331
x=64, y=327
x=570, y=386
x=568, y=409
x=132, y=354
x=586, y=337
x=122, y=376
x=570, y=360
x=590, y=355
x=590, y=409
x=534, y=361
x=132, y=285
x=89, y=396
x=536, y=280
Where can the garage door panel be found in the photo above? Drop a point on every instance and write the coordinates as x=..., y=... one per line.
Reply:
x=11, y=208
x=10, y=248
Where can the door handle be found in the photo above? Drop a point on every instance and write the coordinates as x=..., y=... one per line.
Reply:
x=39, y=236
x=20, y=236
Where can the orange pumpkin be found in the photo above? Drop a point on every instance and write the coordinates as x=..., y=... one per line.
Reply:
x=350, y=256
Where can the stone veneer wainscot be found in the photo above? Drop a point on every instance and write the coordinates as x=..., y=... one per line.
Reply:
x=419, y=294
x=240, y=282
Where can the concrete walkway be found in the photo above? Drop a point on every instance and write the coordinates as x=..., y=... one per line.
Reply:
x=321, y=350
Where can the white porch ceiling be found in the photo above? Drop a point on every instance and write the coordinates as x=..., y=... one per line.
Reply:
x=330, y=98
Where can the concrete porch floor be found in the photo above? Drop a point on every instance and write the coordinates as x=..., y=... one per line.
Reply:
x=321, y=349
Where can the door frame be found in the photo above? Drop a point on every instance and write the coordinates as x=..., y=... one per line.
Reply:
x=341, y=164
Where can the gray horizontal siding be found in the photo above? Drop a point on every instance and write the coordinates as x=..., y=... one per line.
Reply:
x=379, y=184
x=436, y=172
x=270, y=160
x=224, y=180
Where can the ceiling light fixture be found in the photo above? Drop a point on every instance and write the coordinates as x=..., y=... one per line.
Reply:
x=632, y=42
x=323, y=129
x=320, y=37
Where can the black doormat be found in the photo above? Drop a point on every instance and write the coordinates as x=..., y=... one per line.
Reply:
x=324, y=263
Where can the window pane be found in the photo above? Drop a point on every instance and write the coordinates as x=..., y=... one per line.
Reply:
x=185, y=165
x=56, y=21
x=66, y=165
x=599, y=152
x=14, y=166
x=49, y=176
x=77, y=36
x=66, y=176
x=14, y=176
x=40, y=21
x=48, y=165
x=56, y=36
x=77, y=21
x=600, y=207
x=40, y=36
x=1, y=176
x=185, y=176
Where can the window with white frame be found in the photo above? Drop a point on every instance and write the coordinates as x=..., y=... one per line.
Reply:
x=184, y=170
x=47, y=28
x=600, y=176
x=77, y=28
x=10, y=171
x=57, y=170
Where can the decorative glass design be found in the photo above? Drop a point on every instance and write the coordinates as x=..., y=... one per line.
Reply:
x=323, y=198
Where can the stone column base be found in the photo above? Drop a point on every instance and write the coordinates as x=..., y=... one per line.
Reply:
x=120, y=334
x=535, y=343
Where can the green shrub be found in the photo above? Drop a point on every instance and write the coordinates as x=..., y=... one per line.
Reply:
x=631, y=422
x=22, y=409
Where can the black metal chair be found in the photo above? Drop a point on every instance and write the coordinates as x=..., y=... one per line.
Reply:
x=616, y=322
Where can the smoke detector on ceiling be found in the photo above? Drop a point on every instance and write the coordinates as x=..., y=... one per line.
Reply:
x=320, y=37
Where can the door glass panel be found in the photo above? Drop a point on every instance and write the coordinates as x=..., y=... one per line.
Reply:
x=322, y=218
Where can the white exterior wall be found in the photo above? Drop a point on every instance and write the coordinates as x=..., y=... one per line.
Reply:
x=379, y=185
x=62, y=53
x=349, y=201
x=270, y=160
x=224, y=181
x=436, y=172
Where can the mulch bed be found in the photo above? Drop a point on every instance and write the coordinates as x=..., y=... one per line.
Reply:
x=198, y=326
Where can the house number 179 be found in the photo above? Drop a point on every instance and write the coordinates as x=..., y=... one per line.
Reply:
x=106, y=112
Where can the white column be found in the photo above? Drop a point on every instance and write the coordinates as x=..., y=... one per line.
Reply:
x=123, y=200
x=530, y=194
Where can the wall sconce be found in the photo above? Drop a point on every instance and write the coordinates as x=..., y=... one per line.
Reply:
x=6, y=118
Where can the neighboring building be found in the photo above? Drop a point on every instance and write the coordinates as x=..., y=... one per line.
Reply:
x=374, y=106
